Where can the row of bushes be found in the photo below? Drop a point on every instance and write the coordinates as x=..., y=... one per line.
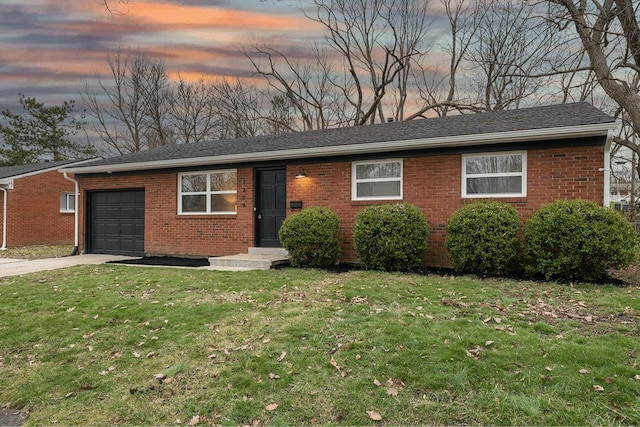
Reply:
x=386, y=237
x=569, y=239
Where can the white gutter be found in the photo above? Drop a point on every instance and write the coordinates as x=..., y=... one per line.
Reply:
x=4, y=220
x=607, y=169
x=351, y=149
x=76, y=213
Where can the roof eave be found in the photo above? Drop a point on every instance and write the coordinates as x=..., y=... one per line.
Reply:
x=599, y=129
x=45, y=170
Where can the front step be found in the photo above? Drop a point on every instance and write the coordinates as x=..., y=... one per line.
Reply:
x=281, y=252
x=247, y=262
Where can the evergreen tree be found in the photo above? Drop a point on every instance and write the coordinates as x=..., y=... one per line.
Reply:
x=41, y=133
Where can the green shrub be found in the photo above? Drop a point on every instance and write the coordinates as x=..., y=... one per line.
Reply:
x=577, y=239
x=482, y=238
x=311, y=237
x=391, y=237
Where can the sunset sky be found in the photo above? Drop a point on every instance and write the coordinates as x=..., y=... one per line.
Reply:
x=49, y=49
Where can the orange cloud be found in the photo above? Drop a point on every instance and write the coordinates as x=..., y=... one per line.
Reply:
x=158, y=14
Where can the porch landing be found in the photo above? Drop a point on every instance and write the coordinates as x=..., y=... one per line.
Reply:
x=255, y=259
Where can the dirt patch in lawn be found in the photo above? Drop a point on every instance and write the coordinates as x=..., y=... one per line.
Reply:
x=12, y=417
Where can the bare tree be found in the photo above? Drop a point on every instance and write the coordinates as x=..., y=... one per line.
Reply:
x=439, y=91
x=192, y=112
x=377, y=40
x=130, y=111
x=362, y=68
x=510, y=46
x=314, y=88
x=115, y=7
x=240, y=109
x=609, y=34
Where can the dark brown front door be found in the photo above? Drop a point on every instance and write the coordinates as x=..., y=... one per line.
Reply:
x=271, y=205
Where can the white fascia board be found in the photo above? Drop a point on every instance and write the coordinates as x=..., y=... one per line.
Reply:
x=353, y=149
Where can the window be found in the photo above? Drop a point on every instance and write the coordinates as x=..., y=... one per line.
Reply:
x=494, y=175
x=212, y=192
x=67, y=202
x=379, y=180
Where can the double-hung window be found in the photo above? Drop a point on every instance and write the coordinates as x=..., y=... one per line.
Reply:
x=494, y=175
x=67, y=202
x=211, y=192
x=376, y=180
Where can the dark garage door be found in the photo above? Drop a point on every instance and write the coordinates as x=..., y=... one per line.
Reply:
x=116, y=223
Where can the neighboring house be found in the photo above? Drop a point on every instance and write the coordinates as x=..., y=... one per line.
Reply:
x=621, y=195
x=222, y=197
x=37, y=204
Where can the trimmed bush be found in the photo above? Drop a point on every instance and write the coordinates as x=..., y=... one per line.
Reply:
x=311, y=237
x=391, y=237
x=482, y=238
x=577, y=239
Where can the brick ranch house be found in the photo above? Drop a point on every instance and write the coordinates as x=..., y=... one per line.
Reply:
x=37, y=204
x=222, y=197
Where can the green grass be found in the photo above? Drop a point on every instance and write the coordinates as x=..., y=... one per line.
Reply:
x=126, y=345
x=35, y=252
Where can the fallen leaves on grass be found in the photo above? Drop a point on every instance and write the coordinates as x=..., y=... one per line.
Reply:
x=598, y=388
x=474, y=352
x=109, y=369
x=271, y=407
x=343, y=372
x=359, y=300
x=375, y=416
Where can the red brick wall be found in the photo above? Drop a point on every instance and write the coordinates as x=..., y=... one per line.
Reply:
x=166, y=232
x=33, y=211
x=433, y=183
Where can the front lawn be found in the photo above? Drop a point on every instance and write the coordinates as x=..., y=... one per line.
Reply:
x=36, y=252
x=127, y=345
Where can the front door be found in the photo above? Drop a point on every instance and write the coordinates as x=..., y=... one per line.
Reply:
x=271, y=205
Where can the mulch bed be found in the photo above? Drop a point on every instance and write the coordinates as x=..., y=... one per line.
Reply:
x=629, y=275
x=166, y=261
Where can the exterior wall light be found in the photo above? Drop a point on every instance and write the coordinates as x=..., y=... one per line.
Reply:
x=301, y=174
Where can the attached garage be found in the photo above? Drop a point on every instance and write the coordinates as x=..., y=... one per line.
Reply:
x=115, y=222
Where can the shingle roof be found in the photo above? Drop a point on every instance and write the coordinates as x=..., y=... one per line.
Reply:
x=545, y=117
x=18, y=170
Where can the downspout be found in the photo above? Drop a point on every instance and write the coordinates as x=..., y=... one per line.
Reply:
x=606, y=200
x=76, y=213
x=4, y=220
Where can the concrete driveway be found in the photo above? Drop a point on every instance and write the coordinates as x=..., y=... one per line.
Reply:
x=17, y=267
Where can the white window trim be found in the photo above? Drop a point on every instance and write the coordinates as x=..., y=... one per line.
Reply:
x=355, y=181
x=208, y=193
x=70, y=207
x=523, y=174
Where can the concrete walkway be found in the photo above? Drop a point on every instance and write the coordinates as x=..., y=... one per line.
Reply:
x=17, y=267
